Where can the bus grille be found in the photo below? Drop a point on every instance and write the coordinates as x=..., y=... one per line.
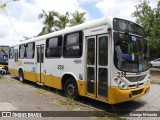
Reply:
x=136, y=92
x=136, y=79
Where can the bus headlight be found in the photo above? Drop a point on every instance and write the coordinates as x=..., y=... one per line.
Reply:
x=121, y=84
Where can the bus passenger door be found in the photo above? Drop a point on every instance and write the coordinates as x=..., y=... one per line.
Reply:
x=40, y=64
x=16, y=62
x=91, y=66
x=97, y=66
x=102, y=66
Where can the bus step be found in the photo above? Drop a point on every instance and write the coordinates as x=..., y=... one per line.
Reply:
x=41, y=84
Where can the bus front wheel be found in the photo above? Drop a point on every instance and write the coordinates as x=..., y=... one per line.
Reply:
x=21, y=76
x=71, y=89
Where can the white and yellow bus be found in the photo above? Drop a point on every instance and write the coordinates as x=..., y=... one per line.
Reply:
x=106, y=60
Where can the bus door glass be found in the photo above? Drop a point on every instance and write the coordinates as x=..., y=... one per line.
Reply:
x=102, y=66
x=91, y=66
x=40, y=63
x=97, y=66
x=15, y=62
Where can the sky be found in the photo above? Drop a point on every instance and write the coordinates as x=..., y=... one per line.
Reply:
x=23, y=14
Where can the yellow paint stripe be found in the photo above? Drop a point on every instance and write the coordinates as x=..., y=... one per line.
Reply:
x=117, y=95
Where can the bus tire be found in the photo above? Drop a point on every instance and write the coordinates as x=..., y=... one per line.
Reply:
x=21, y=76
x=71, y=89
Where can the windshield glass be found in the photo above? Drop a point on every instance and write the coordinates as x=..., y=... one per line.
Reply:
x=131, y=53
x=127, y=26
x=4, y=50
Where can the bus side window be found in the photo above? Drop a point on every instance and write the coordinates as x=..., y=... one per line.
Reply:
x=11, y=53
x=73, y=45
x=91, y=51
x=22, y=51
x=54, y=47
x=30, y=49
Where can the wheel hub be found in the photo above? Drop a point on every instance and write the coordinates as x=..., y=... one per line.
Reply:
x=70, y=89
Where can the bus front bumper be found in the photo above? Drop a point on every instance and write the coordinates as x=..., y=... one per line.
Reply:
x=117, y=95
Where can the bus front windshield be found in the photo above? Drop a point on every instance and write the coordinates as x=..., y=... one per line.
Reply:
x=131, y=53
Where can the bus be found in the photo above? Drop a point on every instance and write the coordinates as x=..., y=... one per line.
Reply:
x=105, y=59
x=4, y=49
x=4, y=55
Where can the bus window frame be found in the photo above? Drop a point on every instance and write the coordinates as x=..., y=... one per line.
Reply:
x=33, y=49
x=24, y=51
x=60, y=38
x=80, y=44
x=12, y=53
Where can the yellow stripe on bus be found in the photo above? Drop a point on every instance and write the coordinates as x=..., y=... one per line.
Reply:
x=117, y=95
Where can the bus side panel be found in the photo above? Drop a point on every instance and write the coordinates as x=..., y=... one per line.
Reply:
x=81, y=87
x=11, y=66
x=11, y=71
x=29, y=69
x=57, y=67
x=52, y=81
x=30, y=76
x=48, y=80
x=16, y=73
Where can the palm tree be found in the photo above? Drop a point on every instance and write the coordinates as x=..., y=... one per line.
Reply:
x=78, y=18
x=62, y=21
x=44, y=31
x=49, y=21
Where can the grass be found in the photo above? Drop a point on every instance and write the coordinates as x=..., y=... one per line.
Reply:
x=39, y=92
x=155, y=73
x=1, y=77
x=97, y=113
x=69, y=103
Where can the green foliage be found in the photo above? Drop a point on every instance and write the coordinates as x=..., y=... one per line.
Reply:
x=54, y=21
x=62, y=21
x=78, y=18
x=149, y=18
x=48, y=21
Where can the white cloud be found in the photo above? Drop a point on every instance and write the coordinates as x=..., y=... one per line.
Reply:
x=24, y=14
x=88, y=1
x=58, y=5
x=119, y=8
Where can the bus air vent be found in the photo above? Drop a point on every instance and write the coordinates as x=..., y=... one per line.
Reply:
x=136, y=78
x=136, y=92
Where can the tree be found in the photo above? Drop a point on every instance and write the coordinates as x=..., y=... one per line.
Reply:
x=149, y=19
x=54, y=21
x=48, y=21
x=62, y=21
x=78, y=18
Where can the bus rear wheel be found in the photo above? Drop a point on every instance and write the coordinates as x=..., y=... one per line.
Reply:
x=21, y=76
x=71, y=89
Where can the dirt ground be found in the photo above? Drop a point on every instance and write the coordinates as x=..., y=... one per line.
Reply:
x=17, y=96
x=155, y=76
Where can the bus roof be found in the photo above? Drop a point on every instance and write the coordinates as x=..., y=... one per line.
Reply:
x=89, y=24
